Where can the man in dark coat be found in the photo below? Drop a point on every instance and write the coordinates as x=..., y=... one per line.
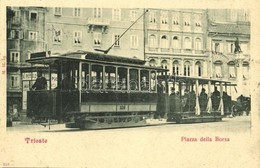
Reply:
x=40, y=83
x=203, y=100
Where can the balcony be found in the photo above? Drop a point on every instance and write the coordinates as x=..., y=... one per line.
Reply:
x=93, y=23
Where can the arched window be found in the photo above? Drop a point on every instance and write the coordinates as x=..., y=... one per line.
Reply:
x=187, y=43
x=218, y=68
x=164, y=64
x=197, y=44
x=187, y=68
x=164, y=41
x=198, y=68
x=152, y=62
x=176, y=68
x=231, y=69
x=152, y=40
x=175, y=42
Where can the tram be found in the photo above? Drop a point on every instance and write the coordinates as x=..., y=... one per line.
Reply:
x=95, y=91
x=197, y=99
x=105, y=91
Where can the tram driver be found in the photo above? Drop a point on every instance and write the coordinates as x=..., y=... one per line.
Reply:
x=40, y=83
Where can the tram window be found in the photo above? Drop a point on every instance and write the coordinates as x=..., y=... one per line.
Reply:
x=153, y=81
x=74, y=73
x=122, y=79
x=96, y=77
x=85, y=76
x=144, y=80
x=134, y=79
x=110, y=77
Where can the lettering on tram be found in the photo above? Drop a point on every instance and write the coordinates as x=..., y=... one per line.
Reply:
x=95, y=91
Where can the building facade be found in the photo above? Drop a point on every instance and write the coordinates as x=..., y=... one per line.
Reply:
x=25, y=34
x=176, y=40
x=72, y=29
x=225, y=26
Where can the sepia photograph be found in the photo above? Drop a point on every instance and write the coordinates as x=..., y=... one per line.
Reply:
x=129, y=85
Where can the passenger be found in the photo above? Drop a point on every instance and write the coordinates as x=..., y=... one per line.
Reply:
x=40, y=83
x=172, y=100
x=215, y=99
x=175, y=105
x=144, y=84
x=203, y=100
x=189, y=100
x=192, y=100
x=66, y=83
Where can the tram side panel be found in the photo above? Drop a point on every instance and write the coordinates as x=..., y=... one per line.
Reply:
x=97, y=107
x=112, y=102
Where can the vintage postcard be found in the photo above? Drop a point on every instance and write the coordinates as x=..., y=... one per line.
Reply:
x=129, y=84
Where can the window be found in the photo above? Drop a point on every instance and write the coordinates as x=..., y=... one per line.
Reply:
x=152, y=17
x=164, y=41
x=175, y=42
x=133, y=15
x=197, y=44
x=218, y=47
x=187, y=43
x=153, y=81
x=144, y=83
x=116, y=14
x=16, y=34
x=57, y=36
x=187, y=68
x=198, y=69
x=152, y=63
x=14, y=57
x=134, y=41
x=32, y=35
x=176, y=68
x=197, y=20
x=97, y=12
x=164, y=18
x=152, y=41
x=16, y=18
x=218, y=71
x=122, y=79
x=57, y=11
x=97, y=39
x=33, y=16
x=175, y=19
x=164, y=64
x=110, y=77
x=186, y=20
x=116, y=37
x=77, y=38
x=85, y=76
x=134, y=79
x=96, y=77
x=231, y=48
x=77, y=12
x=232, y=73
x=14, y=79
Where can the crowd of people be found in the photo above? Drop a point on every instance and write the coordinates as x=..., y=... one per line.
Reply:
x=187, y=102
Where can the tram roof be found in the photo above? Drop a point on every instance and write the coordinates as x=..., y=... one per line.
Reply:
x=86, y=56
x=200, y=79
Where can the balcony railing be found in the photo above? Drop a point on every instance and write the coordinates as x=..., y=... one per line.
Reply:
x=98, y=21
